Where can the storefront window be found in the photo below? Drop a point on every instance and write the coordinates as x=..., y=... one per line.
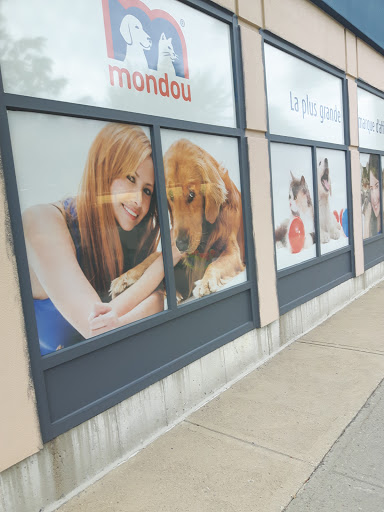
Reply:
x=202, y=177
x=309, y=170
x=370, y=194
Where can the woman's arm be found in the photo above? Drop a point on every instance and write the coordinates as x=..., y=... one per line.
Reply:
x=52, y=257
x=144, y=286
x=104, y=318
x=137, y=302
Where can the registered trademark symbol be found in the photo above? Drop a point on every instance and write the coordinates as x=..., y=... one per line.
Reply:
x=182, y=23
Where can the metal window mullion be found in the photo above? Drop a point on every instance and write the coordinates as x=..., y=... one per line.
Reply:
x=163, y=217
x=249, y=252
x=237, y=66
x=348, y=177
x=316, y=200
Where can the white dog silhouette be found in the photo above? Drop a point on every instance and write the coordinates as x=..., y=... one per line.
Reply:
x=137, y=41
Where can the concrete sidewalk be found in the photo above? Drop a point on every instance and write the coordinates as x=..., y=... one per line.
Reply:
x=253, y=447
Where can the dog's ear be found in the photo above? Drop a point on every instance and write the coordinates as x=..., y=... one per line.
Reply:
x=213, y=188
x=125, y=30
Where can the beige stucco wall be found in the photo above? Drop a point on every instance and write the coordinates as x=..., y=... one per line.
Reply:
x=19, y=427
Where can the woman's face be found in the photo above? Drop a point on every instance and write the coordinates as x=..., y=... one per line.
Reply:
x=131, y=196
x=375, y=194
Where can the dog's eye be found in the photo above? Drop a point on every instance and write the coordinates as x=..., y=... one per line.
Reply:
x=191, y=196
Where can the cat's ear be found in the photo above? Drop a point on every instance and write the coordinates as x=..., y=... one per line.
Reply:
x=302, y=181
x=162, y=37
x=170, y=40
x=292, y=176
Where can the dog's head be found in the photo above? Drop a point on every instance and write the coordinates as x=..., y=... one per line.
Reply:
x=195, y=192
x=324, y=179
x=133, y=33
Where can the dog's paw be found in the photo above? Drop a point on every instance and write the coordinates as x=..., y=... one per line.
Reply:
x=121, y=283
x=208, y=284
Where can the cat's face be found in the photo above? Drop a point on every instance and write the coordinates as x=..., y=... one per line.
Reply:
x=166, y=47
x=298, y=197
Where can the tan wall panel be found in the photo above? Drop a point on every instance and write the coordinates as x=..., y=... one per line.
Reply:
x=308, y=27
x=19, y=427
x=353, y=116
x=370, y=65
x=252, y=11
x=356, y=205
x=263, y=228
x=351, y=53
x=255, y=101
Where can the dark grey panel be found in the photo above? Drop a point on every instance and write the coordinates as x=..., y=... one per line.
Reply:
x=134, y=363
x=373, y=252
x=299, y=287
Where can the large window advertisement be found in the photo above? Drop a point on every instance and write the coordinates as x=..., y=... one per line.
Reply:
x=371, y=196
x=127, y=147
x=309, y=182
x=332, y=199
x=153, y=57
x=293, y=208
x=203, y=190
x=88, y=198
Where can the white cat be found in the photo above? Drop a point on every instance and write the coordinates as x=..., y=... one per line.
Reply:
x=167, y=56
x=300, y=204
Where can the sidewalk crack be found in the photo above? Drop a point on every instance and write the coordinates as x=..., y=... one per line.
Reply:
x=342, y=347
x=251, y=443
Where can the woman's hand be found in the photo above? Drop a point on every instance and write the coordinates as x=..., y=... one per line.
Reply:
x=102, y=319
x=176, y=254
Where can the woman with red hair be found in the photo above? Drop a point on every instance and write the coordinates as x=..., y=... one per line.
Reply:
x=77, y=246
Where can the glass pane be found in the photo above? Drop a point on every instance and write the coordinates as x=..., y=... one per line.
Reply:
x=292, y=188
x=303, y=100
x=333, y=204
x=371, y=120
x=158, y=57
x=370, y=194
x=88, y=198
x=202, y=177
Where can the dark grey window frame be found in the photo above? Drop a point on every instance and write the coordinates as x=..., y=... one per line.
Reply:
x=302, y=282
x=118, y=364
x=373, y=246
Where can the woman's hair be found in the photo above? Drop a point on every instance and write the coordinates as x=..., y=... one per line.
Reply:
x=118, y=150
x=374, y=165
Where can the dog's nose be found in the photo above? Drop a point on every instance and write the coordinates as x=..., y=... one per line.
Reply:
x=182, y=241
x=182, y=245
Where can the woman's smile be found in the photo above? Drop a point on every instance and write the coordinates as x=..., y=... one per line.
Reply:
x=132, y=195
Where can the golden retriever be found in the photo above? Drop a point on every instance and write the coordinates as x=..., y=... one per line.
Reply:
x=206, y=214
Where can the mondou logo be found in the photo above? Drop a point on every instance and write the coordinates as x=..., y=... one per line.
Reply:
x=147, y=48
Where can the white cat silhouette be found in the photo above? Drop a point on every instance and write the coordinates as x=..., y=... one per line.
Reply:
x=167, y=56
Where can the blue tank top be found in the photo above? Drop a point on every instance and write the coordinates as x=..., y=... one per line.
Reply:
x=55, y=332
